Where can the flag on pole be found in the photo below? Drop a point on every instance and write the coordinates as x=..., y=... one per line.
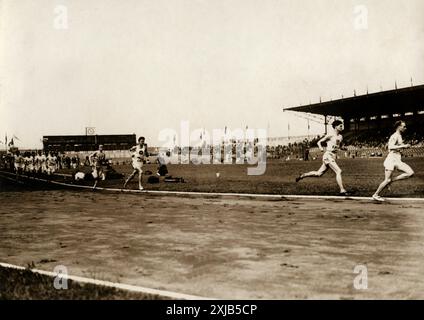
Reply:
x=11, y=143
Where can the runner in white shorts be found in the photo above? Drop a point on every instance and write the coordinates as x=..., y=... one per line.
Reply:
x=329, y=157
x=51, y=163
x=31, y=165
x=19, y=163
x=97, y=160
x=37, y=162
x=139, y=152
x=43, y=160
x=27, y=161
x=394, y=160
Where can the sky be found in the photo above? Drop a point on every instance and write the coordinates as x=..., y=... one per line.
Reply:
x=141, y=66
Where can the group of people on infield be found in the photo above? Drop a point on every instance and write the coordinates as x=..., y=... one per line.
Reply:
x=35, y=162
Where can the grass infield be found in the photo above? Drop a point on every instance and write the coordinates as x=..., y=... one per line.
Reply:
x=361, y=177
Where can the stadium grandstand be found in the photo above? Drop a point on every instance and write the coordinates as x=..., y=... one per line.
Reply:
x=88, y=142
x=80, y=146
x=368, y=122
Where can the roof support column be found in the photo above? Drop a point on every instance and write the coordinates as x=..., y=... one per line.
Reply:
x=325, y=124
x=378, y=121
x=346, y=120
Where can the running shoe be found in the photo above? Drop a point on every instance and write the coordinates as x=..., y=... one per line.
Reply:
x=376, y=197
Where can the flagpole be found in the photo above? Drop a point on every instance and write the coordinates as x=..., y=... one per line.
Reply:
x=288, y=130
x=309, y=127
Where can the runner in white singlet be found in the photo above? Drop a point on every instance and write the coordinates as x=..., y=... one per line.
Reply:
x=394, y=160
x=329, y=157
x=139, y=153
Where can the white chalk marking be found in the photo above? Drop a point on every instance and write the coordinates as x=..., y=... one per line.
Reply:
x=121, y=286
x=223, y=194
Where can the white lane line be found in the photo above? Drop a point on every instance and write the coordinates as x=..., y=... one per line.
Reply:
x=222, y=194
x=11, y=179
x=121, y=286
x=240, y=195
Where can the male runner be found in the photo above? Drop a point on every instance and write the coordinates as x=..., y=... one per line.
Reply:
x=44, y=162
x=19, y=163
x=27, y=160
x=97, y=160
x=51, y=162
x=139, y=152
x=394, y=160
x=31, y=168
x=37, y=162
x=329, y=158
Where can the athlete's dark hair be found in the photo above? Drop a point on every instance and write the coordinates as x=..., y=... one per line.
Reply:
x=141, y=138
x=336, y=123
x=398, y=123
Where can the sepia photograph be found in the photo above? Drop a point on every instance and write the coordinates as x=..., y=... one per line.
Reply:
x=233, y=150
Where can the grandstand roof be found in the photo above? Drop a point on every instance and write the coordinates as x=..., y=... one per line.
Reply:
x=408, y=99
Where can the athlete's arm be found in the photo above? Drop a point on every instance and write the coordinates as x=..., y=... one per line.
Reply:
x=393, y=146
x=146, y=153
x=91, y=156
x=342, y=145
x=326, y=138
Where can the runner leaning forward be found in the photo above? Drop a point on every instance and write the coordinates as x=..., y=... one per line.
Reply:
x=139, y=152
x=97, y=161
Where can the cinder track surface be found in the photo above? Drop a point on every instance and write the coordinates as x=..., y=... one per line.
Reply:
x=231, y=248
